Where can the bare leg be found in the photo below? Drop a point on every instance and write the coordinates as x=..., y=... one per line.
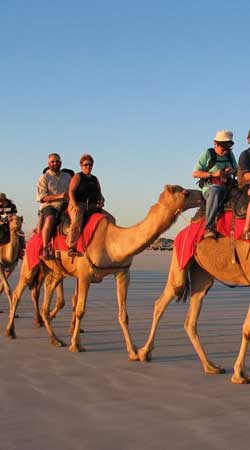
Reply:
x=201, y=282
x=240, y=375
x=246, y=231
x=122, y=283
x=174, y=287
x=46, y=230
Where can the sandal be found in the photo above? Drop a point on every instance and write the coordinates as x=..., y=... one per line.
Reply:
x=246, y=235
x=45, y=253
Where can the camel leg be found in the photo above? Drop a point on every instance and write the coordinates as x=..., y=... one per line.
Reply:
x=74, y=303
x=5, y=284
x=201, y=282
x=35, y=294
x=82, y=293
x=240, y=375
x=174, y=287
x=122, y=284
x=50, y=283
x=16, y=297
x=60, y=302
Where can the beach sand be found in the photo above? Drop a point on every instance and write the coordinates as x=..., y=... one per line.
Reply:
x=55, y=400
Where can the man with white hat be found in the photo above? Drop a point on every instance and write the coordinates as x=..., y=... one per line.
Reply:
x=243, y=178
x=215, y=167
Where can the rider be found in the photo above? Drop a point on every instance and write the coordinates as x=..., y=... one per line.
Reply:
x=52, y=193
x=215, y=168
x=7, y=207
x=84, y=187
x=243, y=177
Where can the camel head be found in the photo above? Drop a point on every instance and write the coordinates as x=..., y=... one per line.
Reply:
x=176, y=198
x=15, y=222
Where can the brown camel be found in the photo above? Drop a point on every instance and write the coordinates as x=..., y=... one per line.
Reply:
x=10, y=253
x=110, y=252
x=213, y=259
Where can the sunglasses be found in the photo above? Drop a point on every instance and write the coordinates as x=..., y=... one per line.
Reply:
x=87, y=165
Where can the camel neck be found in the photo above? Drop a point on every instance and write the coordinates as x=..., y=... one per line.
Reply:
x=132, y=240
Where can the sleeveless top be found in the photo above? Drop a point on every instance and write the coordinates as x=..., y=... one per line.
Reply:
x=243, y=166
x=88, y=189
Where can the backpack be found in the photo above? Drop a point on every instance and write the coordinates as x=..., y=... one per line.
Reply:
x=212, y=161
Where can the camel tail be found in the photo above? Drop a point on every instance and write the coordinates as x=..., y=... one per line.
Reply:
x=35, y=280
x=185, y=293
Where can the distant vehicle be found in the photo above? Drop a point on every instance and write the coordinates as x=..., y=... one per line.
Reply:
x=162, y=244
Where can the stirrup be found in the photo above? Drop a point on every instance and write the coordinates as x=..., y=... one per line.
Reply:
x=72, y=252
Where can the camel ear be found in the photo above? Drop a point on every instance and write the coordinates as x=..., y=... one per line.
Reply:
x=173, y=188
x=170, y=188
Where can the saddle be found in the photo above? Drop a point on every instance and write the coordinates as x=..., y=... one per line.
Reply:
x=64, y=219
x=236, y=201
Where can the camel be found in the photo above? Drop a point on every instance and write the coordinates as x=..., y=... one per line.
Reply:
x=35, y=284
x=213, y=259
x=10, y=253
x=9, y=256
x=111, y=251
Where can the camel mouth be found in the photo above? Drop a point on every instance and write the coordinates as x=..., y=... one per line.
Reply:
x=193, y=199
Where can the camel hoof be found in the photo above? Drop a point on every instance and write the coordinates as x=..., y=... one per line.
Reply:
x=38, y=324
x=133, y=355
x=57, y=342
x=76, y=349
x=144, y=356
x=239, y=379
x=10, y=334
x=216, y=370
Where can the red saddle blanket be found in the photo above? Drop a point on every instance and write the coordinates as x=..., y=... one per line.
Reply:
x=185, y=241
x=34, y=245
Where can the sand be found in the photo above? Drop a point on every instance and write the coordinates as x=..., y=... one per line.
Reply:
x=55, y=400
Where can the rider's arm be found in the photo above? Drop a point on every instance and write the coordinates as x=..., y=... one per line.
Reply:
x=43, y=194
x=246, y=176
x=202, y=174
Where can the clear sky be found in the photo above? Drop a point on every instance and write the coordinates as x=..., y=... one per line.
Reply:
x=141, y=85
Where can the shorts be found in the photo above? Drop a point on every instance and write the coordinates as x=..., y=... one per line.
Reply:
x=49, y=211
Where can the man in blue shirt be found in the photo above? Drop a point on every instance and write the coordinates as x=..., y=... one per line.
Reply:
x=215, y=167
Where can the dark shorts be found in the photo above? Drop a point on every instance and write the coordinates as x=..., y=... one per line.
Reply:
x=49, y=211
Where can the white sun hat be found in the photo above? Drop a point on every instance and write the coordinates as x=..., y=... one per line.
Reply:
x=224, y=136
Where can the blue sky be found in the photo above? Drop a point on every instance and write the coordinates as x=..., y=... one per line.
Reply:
x=143, y=86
